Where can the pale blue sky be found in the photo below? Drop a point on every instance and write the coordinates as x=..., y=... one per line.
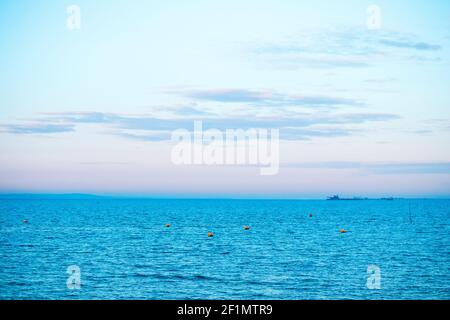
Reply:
x=360, y=112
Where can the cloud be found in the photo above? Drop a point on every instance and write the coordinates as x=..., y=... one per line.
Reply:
x=417, y=58
x=80, y=117
x=305, y=134
x=38, y=128
x=380, y=80
x=266, y=98
x=150, y=128
x=421, y=131
x=103, y=163
x=438, y=124
x=418, y=168
x=408, y=44
x=222, y=123
x=155, y=137
x=343, y=48
x=363, y=117
x=378, y=167
x=293, y=61
x=190, y=111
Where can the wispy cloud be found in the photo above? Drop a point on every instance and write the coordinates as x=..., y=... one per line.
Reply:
x=408, y=44
x=417, y=168
x=154, y=137
x=190, y=111
x=78, y=117
x=292, y=61
x=37, y=128
x=344, y=48
x=379, y=167
x=266, y=98
x=380, y=80
x=150, y=128
x=308, y=133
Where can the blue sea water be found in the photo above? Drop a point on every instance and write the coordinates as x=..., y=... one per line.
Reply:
x=124, y=250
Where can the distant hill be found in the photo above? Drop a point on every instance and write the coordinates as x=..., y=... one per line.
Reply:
x=17, y=196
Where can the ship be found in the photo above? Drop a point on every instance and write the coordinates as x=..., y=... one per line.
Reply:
x=336, y=197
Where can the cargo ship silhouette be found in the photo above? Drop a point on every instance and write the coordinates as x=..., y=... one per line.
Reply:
x=336, y=197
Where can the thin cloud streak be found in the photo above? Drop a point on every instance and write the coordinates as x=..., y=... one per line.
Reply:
x=38, y=128
x=266, y=98
x=379, y=167
x=159, y=129
x=343, y=48
x=406, y=44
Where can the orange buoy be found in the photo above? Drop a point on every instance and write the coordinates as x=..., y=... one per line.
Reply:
x=210, y=234
x=246, y=228
x=167, y=225
x=342, y=230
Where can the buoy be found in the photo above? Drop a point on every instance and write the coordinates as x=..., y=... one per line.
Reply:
x=167, y=225
x=210, y=234
x=246, y=228
x=342, y=230
x=25, y=221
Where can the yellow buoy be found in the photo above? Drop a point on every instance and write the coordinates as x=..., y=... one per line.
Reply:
x=167, y=225
x=210, y=234
x=246, y=228
x=342, y=230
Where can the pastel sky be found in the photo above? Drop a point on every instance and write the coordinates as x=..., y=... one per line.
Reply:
x=361, y=112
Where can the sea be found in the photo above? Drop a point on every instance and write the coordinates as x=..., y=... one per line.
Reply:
x=117, y=248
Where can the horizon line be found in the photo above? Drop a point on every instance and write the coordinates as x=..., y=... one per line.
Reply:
x=87, y=196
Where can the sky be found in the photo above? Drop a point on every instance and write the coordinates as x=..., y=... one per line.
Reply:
x=361, y=109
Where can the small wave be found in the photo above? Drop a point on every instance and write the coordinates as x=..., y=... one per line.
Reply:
x=142, y=275
x=184, y=277
x=16, y=283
